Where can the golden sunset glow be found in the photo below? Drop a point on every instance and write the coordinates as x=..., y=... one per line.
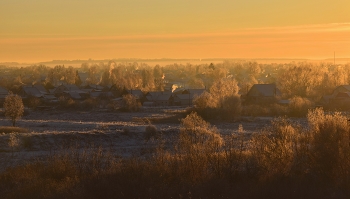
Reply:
x=47, y=30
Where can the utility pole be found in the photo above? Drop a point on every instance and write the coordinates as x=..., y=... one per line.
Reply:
x=334, y=58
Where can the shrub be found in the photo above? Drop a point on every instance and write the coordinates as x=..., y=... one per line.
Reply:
x=67, y=103
x=199, y=145
x=278, y=110
x=223, y=100
x=130, y=103
x=34, y=102
x=232, y=106
x=204, y=101
x=13, y=141
x=111, y=106
x=265, y=110
x=87, y=104
x=151, y=132
x=274, y=149
x=255, y=110
x=298, y=106
x=196, y=135
x=58, y=176
x=331, y=145
x=234, y=158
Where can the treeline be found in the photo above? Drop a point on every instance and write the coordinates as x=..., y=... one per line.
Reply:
x=128, y=76
x=303, y=79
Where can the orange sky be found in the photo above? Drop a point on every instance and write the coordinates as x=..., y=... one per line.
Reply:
x=47, y=30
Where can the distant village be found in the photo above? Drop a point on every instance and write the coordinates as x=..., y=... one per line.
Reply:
x=105, y=94
x=174, y=92
x=48, y=98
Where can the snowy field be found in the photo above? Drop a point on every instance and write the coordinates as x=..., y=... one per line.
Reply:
x=50, y=132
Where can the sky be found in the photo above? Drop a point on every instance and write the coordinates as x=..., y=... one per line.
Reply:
x=42, y=30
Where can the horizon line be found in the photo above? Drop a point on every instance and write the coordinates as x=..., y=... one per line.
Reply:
x=176, y=59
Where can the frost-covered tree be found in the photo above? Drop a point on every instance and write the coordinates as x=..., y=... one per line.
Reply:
x=14, y=107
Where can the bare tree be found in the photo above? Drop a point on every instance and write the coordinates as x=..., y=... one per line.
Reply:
x=14, y=107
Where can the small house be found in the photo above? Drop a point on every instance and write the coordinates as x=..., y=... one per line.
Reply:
x=70, y=90
x=30, y=91
x=340, y=89
x=152, y=95
x=183, y=99
x=164, y=99
x=339, y=97
x=41, y=88
x=263, y=93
